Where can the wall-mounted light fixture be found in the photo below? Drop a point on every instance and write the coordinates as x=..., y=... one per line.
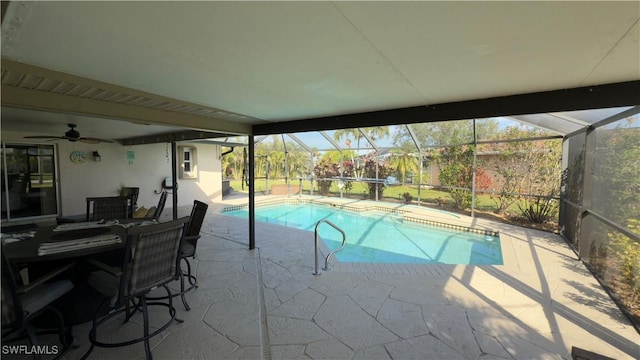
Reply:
x=96, y=156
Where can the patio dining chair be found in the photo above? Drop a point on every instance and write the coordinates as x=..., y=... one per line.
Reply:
x=21, y=305
x=154, y=213
x=188, y=248
x=107, y=208
x=132, y=193
x=151, y=260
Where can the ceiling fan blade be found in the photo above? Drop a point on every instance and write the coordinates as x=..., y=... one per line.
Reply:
x=72, y=135
x=45, y=137
x=90, y=140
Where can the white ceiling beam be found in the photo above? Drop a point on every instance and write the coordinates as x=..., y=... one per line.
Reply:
x=44, y=101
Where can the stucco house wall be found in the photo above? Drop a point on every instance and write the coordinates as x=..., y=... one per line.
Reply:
x=143, y=166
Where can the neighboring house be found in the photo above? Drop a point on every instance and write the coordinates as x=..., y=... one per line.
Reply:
x=43, y=179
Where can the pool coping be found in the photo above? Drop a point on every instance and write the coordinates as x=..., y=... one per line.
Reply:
x=407, y=213
x=410, y=213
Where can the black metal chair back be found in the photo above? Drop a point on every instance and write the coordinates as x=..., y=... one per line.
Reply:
x=132, y=193
x=155, y=212
x=108, y=208
x=160, y=207
x=192, y=233
x=188, y=247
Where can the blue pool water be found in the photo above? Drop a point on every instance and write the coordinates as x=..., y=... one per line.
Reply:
x=383, y=237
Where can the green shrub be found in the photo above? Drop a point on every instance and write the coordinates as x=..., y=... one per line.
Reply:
x=325, y=169
x=370, y=172
x=539, y=210
x=457, y=171
x=627, y=251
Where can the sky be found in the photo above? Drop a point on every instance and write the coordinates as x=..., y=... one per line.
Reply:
x=315, y=140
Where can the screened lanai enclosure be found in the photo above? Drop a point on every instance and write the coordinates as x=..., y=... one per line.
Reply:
x=576, y=173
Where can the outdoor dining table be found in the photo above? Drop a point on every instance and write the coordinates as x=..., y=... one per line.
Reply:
x=47, y=247
x=31, y=247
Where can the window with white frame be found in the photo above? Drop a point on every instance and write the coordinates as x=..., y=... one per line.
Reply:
x=188, y=162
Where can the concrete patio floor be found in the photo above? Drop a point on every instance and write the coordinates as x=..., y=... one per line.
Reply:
x=267, y=304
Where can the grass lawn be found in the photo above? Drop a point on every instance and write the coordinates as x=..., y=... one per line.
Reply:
x=485, y=205
x=395, y=192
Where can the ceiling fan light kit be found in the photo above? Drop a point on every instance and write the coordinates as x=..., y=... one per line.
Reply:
x=72, y=135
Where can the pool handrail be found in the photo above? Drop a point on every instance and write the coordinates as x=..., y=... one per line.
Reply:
x=326, y=261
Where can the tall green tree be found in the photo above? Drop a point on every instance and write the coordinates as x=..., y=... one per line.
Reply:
x=325, y=170
x=403, y=160
x=543, y=181
x=276, y=164
x=614, y=256
x=261, y=161
x=616, y=172
x=376, y=133
x=371, y=171
x=229, y=163
x=445, y=132
x=299, y=162
x=348, y=135
x=525, y=167
x=335, y=155
x=456, y=172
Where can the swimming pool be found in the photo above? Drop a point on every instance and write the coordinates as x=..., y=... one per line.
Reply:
x=377, y=236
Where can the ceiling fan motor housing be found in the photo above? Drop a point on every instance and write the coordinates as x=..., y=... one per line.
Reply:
x=72, y=134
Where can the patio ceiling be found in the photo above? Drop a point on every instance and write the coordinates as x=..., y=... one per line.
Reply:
x=267, y=67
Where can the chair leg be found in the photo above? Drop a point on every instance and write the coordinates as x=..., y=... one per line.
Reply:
x=129, y=312
x=192, y=279
x=65, y=335
x=181, y=293
x=31, y=333
x=86, y=355
x=172, y=310
x=94, y=329
x=184, y=300
x=145, y=317
x=141, y=304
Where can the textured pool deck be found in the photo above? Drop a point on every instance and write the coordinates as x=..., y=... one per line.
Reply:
x=267, y=304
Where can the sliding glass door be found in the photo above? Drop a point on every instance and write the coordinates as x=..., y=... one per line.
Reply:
x=29, y=186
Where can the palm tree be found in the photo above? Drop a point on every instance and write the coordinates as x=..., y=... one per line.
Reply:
x=229, y=164
x=277, y=163
x=376, y=132
x=403, y=160
x=298, y=162
x=347, y=134
x=260, y=160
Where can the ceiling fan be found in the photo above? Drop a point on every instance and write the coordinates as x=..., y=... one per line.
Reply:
x=72, y=135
